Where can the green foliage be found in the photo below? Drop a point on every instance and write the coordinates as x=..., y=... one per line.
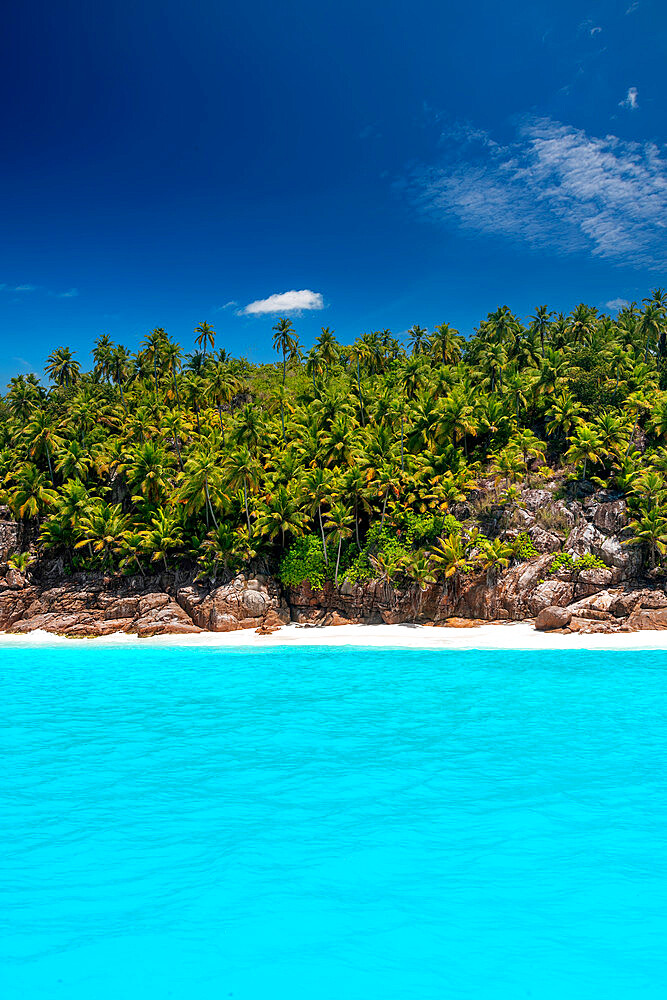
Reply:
x=575, y=565
x=304, y=562
x=204, y=462
x=524, y=548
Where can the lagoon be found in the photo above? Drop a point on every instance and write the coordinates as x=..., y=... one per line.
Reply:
x=200, y=822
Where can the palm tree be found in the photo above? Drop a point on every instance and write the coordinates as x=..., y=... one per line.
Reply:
x=172, y=356
x=446, y=342
x=120, y=370
x=147, y=467
x=30, y=496
x=540, y=323
x=565, y=414
x=280, y=513
x=154, y=349
x=164, y=536
x=103, y=352
x=206, y=338
x=102, y=529
x=62, y=368
x=650, y=528
x=201, y=476
x=284, y=340
x=42, y=437
x=242, y=470
x=585, y=446
x=338, y=524
x=416, y=337
x=317, y=484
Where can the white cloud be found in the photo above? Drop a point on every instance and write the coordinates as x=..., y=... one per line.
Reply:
x=71, y=294
x=227, y=305
x=630, y=100
x=616, y=304
x=633, y=7
x=284, y=302
x=596, y=30
x=554, y=187
x=17, y=288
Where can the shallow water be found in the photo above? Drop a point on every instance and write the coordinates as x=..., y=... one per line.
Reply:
x=304, y=823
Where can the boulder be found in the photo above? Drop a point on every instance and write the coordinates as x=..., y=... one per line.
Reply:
x=241, y=603
x=543, y=540
x=552, y=618
x=9, y=536
x=460, y=623
x=611, y=517
x=648, y=618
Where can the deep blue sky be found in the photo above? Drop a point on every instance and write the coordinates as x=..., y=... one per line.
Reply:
x=408, y=162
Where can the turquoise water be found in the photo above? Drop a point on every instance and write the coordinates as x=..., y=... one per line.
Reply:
x=201, y=823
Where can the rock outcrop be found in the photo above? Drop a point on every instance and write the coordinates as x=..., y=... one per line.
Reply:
x=613, y=597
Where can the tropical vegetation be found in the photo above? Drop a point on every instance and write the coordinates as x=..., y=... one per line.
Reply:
x=337, y=462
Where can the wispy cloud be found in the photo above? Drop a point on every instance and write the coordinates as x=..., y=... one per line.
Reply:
x=633, y=7
x=17, y=288
x=70, y=294
x=228, y=305
x=284, y=302
x=616, y=304
x=28, y=365
x=630, y=100
x=554, y=187
x=596, y=30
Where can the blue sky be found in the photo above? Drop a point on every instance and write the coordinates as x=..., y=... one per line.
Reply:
x=393, y=163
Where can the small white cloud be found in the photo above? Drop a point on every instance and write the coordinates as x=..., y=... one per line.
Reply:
x=71, y=294
x=227, y=305
x=284, y=302
x=28, y=365
x=633, y=7
x=630, y=101
x=596, y=30
x=616, y=304
x=24, y=288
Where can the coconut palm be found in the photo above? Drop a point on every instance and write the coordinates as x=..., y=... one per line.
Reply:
x=338, y=524
x=205, y=338
x=62, y=368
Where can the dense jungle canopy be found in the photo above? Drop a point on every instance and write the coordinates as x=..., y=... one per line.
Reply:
x=342, y=461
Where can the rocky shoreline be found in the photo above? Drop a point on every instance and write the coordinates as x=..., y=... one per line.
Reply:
x=618, y=597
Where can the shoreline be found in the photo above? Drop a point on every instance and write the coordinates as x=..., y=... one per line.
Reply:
x=494, y=635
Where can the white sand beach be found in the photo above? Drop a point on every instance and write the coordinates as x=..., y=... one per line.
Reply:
x=495, y=635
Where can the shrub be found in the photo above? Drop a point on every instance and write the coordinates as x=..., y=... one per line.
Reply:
x=304, y=561
x=565, y=561
x=524, y=548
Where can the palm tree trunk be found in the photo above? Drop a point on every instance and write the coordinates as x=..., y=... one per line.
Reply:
x=356, y=524
x=384, y=508
x=245, y=501
x=173, y=375
x=174, y=438
x=402, y=443
x=361, y=402
x=48, y=458
x=324, y=544
x=208, y=500
x=340, y=542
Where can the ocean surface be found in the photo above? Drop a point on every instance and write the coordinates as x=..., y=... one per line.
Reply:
x=320, y=824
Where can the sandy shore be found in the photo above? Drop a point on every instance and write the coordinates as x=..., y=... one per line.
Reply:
x=514, y=635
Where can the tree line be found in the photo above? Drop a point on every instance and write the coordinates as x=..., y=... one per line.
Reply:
x=340, y=461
